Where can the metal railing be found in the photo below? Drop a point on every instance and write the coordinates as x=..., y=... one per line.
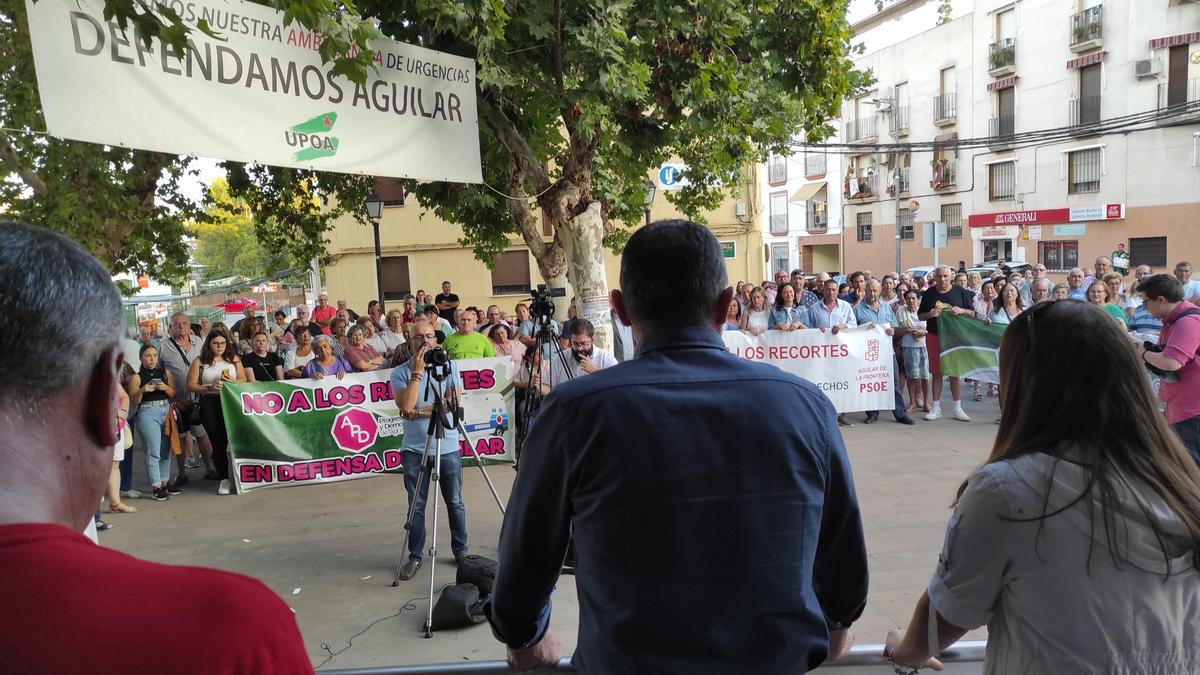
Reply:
x=943, y=107
x=1084, y=110
x=899, y=121
x=779, y=223
x=814, y=163
x=1087, y=25
x=1002, y=126
x=1002, y=181
x=944, y=176
x=1185, y=94
x=862, y=659
x=777, y=169
x=1002, y=53
x=859, y=129
x=817, y=220
x=865, y=185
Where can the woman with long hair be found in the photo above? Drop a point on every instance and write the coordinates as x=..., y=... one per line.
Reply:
x=788, y=313
x=733, y=318
x=1006, y=307
x=756, y=319
x=985, y=303
x=150, y=391
x=915, y=354
x=1078, y=541
x=1098, y=294
x=215, y=366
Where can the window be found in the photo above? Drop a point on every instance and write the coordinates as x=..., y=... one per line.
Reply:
x=952, y=217
x=864, y=226
x=818, y=215
x=1083, y=171
x=1059, y=256
x=1150, y=251
x=1006, y=116
x=776, y=169
x=1002, y=181
x=390, y=190
x=394, y=270
x=1087, y=108
x=944, y=104
x=899, y=117
x=779, y=258
x=510, y=276
x=1180, y=89
x=906, y=225
x=1006, y=25
x=814, y=162
x=779, y=213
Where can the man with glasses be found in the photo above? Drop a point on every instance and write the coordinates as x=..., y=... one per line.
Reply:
x=176, y=353
x=584, y=356
x=833, y=314
x=324, y=313
x=1039, y=272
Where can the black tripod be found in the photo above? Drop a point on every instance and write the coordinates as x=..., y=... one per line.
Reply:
x=532, y=401
x=440, y=419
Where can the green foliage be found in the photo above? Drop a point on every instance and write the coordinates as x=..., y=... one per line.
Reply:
x=227, y=243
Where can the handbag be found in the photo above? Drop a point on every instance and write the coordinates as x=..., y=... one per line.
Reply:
x=459, y=605
x=478, y=571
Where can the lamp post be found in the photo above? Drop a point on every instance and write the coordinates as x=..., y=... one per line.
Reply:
x=374, y=206
x=648, y=199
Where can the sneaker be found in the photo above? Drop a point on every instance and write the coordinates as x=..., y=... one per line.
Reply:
x=410, y=569
x=223, y=488
x=160, y=495
x=181, y=480
x=935, y=414
x=191, y=463
x=961, y=415
x=131, y=494
x=843, y=422
x=172, y=489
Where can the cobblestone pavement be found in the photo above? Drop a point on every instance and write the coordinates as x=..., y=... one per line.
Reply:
x=330, y=550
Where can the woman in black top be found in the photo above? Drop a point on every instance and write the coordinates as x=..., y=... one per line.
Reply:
x=150, y=392
x=261, y=364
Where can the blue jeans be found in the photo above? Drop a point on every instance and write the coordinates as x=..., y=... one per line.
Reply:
x=450, y=481
x=900, y=412
x=1189, y=433
x=149, y=425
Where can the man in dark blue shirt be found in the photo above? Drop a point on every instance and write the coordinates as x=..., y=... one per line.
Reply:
x=706, y=540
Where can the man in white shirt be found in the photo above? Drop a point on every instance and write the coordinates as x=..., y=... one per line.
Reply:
x=583, y=357
x=1191, y=287
x=832, y=314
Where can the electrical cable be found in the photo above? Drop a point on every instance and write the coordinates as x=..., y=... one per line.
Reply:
x=409, y=604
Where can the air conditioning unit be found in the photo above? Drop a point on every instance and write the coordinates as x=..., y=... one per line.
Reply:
x=1147, y=68
x=884, y=158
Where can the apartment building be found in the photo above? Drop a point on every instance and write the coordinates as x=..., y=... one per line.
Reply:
x=1037, y=130
x=419, y=250
x=802, y=224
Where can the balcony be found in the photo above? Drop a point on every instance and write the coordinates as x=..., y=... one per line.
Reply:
x=779, y=223
x=1087, y=30
x=944, y=110
x=1002, y=58
x=1184, y=93
x=901, y=183
x=814, y=164
x=1083, y=111
x=859, y=187
x=944, y=174
x=818, y=218
x=899, y=122
x=1001, y=130
x=861, y=130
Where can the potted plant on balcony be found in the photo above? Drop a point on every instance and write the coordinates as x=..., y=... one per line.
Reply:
x=1083, y=32
x=1003, y=56
x=941, y=174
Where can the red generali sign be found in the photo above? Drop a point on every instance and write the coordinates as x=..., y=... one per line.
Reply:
x=1075, y=214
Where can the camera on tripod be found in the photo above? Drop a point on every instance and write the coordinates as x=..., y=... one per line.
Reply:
x=436, y=357
x=542, y=306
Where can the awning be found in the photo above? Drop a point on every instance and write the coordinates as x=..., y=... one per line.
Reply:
x=1175, y=40
x=1086, y=60
x=945, y=139
x=807, y=191
x=1003, y=83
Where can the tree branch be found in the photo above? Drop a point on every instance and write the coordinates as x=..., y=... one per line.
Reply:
x=508, y=135
x=558, y=71
x=8, y=154
x=521, y=213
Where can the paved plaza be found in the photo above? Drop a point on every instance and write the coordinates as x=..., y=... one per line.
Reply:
x=329, y=551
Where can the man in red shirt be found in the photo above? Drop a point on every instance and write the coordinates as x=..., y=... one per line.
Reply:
x=59, y=592
x=323, y=313
x=1179, y=343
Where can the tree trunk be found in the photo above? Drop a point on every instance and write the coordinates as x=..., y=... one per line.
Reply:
x=583, y=239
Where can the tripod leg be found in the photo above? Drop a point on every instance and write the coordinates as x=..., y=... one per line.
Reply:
x=479, y=462
x=433, y=495
x=412, y=510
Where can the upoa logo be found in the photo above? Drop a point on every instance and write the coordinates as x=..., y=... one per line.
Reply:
x=312, y=137
x=354, y=430
x=872, y=350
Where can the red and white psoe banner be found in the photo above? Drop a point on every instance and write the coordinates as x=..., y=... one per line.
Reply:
x=853, y=368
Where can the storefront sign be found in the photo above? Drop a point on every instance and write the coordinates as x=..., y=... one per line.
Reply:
x=995, y=232
x=1033, y=232
x=1076, y=214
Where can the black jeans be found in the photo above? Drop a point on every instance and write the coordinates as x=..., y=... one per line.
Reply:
x=214, y=426
x=1189, y=433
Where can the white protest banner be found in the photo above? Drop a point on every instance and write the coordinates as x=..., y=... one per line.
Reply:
x=854, y=368
x=258, y=94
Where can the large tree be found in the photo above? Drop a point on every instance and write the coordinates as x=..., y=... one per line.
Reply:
x=227, y=241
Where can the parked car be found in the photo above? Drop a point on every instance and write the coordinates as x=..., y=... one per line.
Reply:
x=238, y=305
x=988, y=269
x=921, y=271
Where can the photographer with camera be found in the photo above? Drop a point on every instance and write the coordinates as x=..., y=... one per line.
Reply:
x=414, y=397
x=1173, y=359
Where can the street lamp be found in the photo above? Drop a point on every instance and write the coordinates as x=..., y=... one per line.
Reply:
x=374, y=207
x=648, y=199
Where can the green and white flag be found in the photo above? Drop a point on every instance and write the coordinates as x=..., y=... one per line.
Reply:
x=970, y=348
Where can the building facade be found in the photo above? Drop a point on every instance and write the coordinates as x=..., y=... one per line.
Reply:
x=1037, y=130
x=802, y=217
x=420, y=251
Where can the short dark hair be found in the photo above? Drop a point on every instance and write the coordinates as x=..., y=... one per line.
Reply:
x=672, y=273
x=1164, y=286
x=797, y=271
x=61, y=296
x=581, y=326
x=372, y=304
x=280, y=313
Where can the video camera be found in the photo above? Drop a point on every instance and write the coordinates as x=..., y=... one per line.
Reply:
x=542, y=306
x=1164, y=375
x=436, y=356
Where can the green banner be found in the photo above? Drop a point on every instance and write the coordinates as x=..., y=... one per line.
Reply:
x=970, y=348
x=306, y=431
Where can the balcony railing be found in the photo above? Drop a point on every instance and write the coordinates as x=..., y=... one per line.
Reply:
x=1002, y=55
x=779, y=223
x=814, y=164
x=1002, y=127
x=1172, y=94
x=817, y=219
x=944, y=174
x=943, y=108
x=859, y=187
x=899, y=122
x=777, y=170
x=900, y=182
x=860, y=129
x=1087, y=25
x=1084, y=110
